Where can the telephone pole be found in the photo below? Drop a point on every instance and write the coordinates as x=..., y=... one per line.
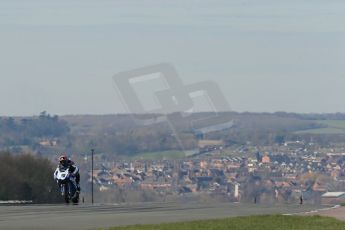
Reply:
x=92, y=153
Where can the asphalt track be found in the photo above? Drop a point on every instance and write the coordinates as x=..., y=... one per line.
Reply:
x=83, y=217
x=335, y=212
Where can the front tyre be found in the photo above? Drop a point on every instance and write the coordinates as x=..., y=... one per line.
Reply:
x=75, y=199
x=66, y=195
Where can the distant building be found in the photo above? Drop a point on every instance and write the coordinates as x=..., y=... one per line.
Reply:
x=331, y=198
x=48, y=143
x=203, y=164
x=237, y=191
x=294, y=144
x=266, y=159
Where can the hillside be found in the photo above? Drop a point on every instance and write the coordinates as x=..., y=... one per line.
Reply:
x=128, y=135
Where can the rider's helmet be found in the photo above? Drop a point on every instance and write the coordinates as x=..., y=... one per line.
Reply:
x=63, y=160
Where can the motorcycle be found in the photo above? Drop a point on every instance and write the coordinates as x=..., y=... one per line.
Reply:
x=67, y=185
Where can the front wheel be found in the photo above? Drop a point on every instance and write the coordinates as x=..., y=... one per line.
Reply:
x=75, y=199
x=66, y=195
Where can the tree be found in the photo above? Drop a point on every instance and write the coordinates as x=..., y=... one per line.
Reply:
x=279, y=139
x=27, y=177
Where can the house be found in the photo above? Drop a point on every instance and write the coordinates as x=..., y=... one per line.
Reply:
x=331, y=198
x=266, y=159
x=294, y=144
x=48, y=143
x=203, y=164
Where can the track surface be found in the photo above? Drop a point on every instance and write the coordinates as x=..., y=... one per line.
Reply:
x=338, y=213
x=102, y=216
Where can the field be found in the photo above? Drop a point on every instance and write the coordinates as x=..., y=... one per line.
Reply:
x=334, y=123
x=322, y=131
x=332, y=127
x=166, y=155
x=278, y=222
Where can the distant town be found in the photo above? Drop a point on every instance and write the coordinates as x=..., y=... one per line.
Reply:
x=227, y=157
x=295, y=172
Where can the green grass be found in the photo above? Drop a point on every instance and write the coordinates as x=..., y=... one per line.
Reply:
x=169, y=155
x=333, y=127
x=322, y=131
x=275, y=222
x=339, y=124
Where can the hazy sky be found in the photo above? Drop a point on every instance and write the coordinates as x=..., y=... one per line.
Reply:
x=269, y=55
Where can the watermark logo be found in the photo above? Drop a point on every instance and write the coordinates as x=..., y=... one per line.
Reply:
x=166, y=94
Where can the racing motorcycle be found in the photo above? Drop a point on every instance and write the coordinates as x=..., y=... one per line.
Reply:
x=67, y=184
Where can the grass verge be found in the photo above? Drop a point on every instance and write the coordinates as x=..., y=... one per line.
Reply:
x=277, y=222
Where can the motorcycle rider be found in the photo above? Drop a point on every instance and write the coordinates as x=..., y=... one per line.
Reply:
x=65, y=162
